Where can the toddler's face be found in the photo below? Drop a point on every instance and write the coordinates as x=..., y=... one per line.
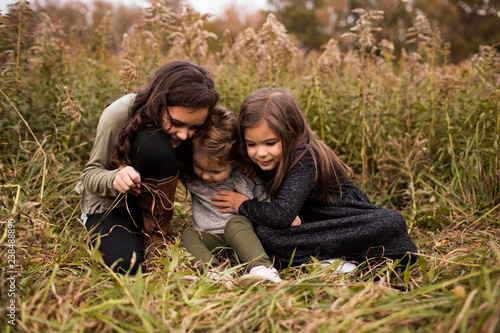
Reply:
x=210, y=172
x=264, y=146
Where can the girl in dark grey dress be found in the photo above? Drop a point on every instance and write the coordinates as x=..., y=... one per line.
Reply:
x=305, y=178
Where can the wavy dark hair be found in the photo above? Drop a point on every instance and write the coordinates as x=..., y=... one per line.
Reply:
x=281, y=111
x=176, y=83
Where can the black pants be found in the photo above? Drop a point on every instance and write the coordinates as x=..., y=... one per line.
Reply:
x=118, y=234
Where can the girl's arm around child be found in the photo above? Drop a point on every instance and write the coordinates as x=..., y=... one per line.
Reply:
x=281, y=212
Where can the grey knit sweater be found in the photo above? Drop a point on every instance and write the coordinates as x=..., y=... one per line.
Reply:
x=349, y=227
x=205, y=216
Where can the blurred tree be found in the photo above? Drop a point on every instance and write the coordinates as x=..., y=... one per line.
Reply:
x=301, y=18
x=125, y=18
x=16, y=38
x=77, y=17
x=465, y=24
x=230, y=20
x=70, y=14
x=234, y=20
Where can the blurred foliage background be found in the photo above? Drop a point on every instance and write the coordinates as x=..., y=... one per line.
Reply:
x=407, y=93
x=464, y=24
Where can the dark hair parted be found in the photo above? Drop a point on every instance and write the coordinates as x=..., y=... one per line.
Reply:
x=216, y=143
x=176, y=83
x=281, y=111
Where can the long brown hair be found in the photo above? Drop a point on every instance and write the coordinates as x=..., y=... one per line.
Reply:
x=281, y=111
x=176, y=83
x=217, y=142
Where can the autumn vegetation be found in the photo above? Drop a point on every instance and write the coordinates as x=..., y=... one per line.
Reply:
x=419, y=126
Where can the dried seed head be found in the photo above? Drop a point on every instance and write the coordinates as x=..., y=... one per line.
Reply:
x=404, y=148
x=352, y=65
x=364, y=27
x=72, y=109
x=422, y=33
x=247, y=47
x=156, y=32
x=386, y=49
x=226, y=42
x=49, y=48
x=125, y=46
x=129, y=76
x=191, y=37
x=273, y=33
x=104, y=33
x=268, y=52
x=414, y=72
x=331, y=58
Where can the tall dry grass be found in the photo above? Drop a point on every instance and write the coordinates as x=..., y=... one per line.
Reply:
x=422, y=136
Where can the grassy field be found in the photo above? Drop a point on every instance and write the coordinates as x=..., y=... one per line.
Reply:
x=421, y=135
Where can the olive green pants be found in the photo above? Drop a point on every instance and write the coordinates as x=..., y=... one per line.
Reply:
x=238, y=234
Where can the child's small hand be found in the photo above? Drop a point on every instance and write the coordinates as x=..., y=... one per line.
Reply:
x=296, y=222
x=127, y=180
x=229, y=202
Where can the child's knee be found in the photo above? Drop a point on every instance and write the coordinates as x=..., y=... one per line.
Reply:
x=189, y=236
x=237, y=223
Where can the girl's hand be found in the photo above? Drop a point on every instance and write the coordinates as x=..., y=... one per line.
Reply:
x=296, y=222
x=229, y=202
x=127, y=180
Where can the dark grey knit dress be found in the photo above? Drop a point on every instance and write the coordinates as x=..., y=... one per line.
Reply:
x=351, y=227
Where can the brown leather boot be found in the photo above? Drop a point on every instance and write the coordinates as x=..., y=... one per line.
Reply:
x=156, y=201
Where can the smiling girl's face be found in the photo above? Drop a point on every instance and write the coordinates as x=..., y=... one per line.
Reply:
x=264, y=146
x=183, y=123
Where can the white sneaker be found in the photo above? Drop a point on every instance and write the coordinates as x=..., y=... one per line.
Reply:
x=189, y=277
x=261, y=274
x=343, y=267
x=215, y=275
x=221, y=278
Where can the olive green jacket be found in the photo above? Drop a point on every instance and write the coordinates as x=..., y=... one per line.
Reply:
x=96, y=184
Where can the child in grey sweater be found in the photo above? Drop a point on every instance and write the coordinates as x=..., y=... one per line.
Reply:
x=214, y=169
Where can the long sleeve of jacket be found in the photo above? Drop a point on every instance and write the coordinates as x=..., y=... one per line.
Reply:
x=280, y=212
x=98, y=175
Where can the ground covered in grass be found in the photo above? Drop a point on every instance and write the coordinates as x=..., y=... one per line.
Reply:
x=60, y=287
